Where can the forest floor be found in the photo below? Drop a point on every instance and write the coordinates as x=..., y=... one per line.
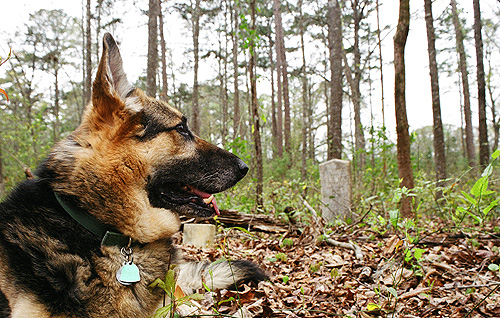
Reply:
x=445, y=274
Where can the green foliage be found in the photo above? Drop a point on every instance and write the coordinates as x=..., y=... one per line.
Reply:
x=287, y=242
x=285, y=279
x=23, y=146
x=281, y=257
x=169, y=287
x=481, y=201
x=315, y=267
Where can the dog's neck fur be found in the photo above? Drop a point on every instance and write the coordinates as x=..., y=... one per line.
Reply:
x=101, y=230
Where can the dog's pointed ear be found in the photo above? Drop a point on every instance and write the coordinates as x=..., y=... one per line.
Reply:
x=110, y=86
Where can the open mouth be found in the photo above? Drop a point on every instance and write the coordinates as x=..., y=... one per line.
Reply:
x=183, y=199
x=208, y=199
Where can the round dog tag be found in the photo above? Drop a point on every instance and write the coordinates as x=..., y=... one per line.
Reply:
x=128, y=274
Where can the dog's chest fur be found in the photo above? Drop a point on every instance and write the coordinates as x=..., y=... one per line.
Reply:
x=50, y=257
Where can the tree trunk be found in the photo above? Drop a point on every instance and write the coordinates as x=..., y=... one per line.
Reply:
x=164, y=79
x=280, y=79
x=439, y=148
x=237, y=115
x=98, y=29
x=283, y=74
x=279, y=107
x=196, y=34
x=335, y=109
x=56, y=104
x=88, y=57
x=494, y=120
x=311, y=130
x=305, y=106
x=152, y=68
x=484, y=148
x=255, y=112
x=403, y=136
x=248, y=99
x=356, y=94
x=223, y=89
x=469, y=134
x=381, y=64
x=274, y=123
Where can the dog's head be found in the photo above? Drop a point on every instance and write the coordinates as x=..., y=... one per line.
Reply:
x=134, y=164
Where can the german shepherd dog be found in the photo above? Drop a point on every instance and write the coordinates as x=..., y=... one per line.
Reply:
x=90, y=233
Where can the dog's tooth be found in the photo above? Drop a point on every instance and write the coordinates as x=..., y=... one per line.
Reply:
x=209, y=199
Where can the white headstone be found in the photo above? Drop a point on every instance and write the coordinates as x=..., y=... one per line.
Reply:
x=199, y=235
x=336, y=189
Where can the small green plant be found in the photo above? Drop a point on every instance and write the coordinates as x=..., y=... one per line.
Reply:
x=413, y=257
x=478, y=203
x=494, y=267
x=334, y=273
x=287, y=242
x=315, y=267
x=281, y=257
x=285, y=279
x=169, y=286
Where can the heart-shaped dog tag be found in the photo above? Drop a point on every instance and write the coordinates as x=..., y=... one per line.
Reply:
x=128, y=274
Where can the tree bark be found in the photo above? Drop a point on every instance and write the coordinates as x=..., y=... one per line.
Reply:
x=196, y=34
x=381, y=64
x=469, y=134
x=305, y=106
x=274, y=123
x=280, y=79
x=236, y=102
x=439, y=145
x=403, y=136
x=88, y=57
x=164, y=78
x=56, y=103
x=484, y=148
x=283, y=72
x=98, y=28
x=356, y=94
x=223, y=80
x=335, y=109
x=255, y=112
x=494, y=118
x=152, y=67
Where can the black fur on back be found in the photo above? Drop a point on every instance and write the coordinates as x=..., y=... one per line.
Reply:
x=35, y=230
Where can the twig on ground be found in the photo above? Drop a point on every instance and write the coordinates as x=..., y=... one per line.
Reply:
x=360, y=219
x=482, y=300
x=351, y=245
x=467, y=286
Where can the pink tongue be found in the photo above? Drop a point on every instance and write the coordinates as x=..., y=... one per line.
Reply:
x=205, y=195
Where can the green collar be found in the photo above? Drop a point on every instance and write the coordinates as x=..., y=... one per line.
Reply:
x=108, y=237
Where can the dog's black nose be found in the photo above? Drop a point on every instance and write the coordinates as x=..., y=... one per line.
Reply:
x=243, y=168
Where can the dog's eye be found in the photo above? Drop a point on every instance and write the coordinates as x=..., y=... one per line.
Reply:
x=183, y=130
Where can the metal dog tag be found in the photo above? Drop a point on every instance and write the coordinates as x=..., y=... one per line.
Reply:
x=128, y=274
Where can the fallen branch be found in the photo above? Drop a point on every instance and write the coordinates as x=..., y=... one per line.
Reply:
x=351, y=245
x=232, y=218
x=453, y=286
